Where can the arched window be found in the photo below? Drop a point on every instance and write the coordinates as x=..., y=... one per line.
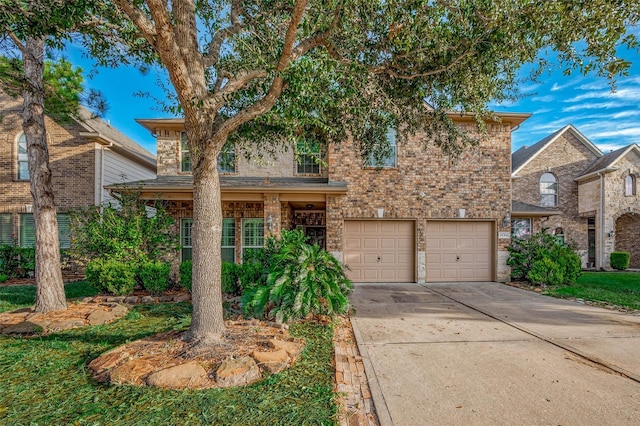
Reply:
x=630, y=185
x=23, y=164
x=548, y=190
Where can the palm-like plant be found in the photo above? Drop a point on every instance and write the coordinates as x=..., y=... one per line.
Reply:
x=303, y=279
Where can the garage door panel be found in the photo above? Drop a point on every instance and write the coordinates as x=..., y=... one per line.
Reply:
x=385, y=251
x=459, y=251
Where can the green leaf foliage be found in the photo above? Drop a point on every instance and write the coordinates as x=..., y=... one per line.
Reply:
x=542, y=260
x=17, y=262
x=185, y=274
x=127, y=232
x=154, y=276
x=620, y=260
x=111, y=276
x=302, y=280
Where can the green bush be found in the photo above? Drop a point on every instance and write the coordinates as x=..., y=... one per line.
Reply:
x=541, y=260
x=620, y=260
x=231, y=279
x=111, y=276
x=184, y=273
x=302, y=279
x=154, y=276
x=3, y=278
x=17, y=262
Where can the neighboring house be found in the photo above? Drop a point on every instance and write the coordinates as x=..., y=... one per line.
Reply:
x=84, y=156
x=566, y=185
x=419, y=216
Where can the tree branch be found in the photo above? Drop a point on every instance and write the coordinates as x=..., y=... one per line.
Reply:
x=16, y=41
x=277, y=86
x=213, y=49
x=145, y=26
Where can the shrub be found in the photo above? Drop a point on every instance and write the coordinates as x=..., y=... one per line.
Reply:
x=154, y=276
x=129, y=232
x=111, y=276
x=541, y=260
x=230, y=278
x=3, y=278
x=302, y=280
x=620, y=260
x=17, y=262
x=185, y=274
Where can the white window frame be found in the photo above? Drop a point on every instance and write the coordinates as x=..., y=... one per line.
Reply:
x=389, y=162
x=548, y=189
x=308, y=156
x=185, y=154
x=186, y=238
x=252, y=241
x=227, y=158
x=629, y=186
x=22, y=159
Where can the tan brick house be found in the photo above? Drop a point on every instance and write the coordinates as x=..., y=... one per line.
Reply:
x=566, y=185
x=84, y=156
x=416, y=216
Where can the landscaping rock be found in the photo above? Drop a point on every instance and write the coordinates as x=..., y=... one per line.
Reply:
x=273, y=362
x=119, y=311
x=188, y=375
x=116, y=299
x=237, y=372
x=100, y=317
x=65, y=324
x=182, y=298
x=24, y=327
x=293, y=349
x=148, y=299
x=131, y=300
x=132, y=372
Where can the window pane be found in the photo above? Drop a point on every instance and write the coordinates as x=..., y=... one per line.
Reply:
x=185, y=156
x=227, y=159
x=185, y=238
x=27, y=230
x=6, y=229
x=229, y=254
x=520, y=228
x=308, y=157
x=228, y=232
x=253, y=233
x=629, y=186
x=390, y=159
x=228, y=239
x=64, y=231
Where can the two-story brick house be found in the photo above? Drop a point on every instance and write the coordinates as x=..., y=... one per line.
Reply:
x=84, y=155
x=418, y=216
x=565, y=184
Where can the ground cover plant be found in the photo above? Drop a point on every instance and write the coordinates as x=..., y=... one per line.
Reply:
x=45, y=381
x=614, y=288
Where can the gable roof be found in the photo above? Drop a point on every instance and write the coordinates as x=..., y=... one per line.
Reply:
x=524, y=155
x=106, y=134
x=607, y=161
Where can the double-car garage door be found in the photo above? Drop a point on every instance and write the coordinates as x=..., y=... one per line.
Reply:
x=384, y=250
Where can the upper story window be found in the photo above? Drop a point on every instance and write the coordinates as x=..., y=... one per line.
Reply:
x=630, y=185
x=23, y=163
x=185, y=155
x=548, y=190
x=226, y=158
x=382, y=156
x=308, y=157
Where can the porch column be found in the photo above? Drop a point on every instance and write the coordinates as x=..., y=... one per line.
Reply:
x=272, y=215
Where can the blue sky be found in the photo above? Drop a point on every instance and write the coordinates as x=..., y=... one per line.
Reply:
x=609, y=119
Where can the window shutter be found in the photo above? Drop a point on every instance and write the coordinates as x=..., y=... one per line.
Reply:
x=6, y=229
x=27, y=230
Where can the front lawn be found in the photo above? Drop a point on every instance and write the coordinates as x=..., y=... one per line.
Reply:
x=615, y=288
x=44, y=379
x=15, y=297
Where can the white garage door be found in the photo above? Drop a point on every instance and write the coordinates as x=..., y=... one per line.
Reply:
x=379, y=250
x=459, y=251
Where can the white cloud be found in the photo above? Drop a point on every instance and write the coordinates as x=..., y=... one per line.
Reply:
x=601, y=105
x=616, y=133
x=546, y=98
x=606, y=147
x=557, y=86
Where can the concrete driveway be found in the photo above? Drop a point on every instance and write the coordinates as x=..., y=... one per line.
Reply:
x=486, y=353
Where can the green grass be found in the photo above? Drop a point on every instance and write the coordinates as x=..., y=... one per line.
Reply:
x=615, y=288
x=16, y=297
x=44, y=380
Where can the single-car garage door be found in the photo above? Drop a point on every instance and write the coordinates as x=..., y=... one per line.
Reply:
x=459, y=251
x=379, y=250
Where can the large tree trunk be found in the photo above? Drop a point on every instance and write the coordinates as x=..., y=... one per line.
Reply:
x=207, y=324
x=49, y=286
